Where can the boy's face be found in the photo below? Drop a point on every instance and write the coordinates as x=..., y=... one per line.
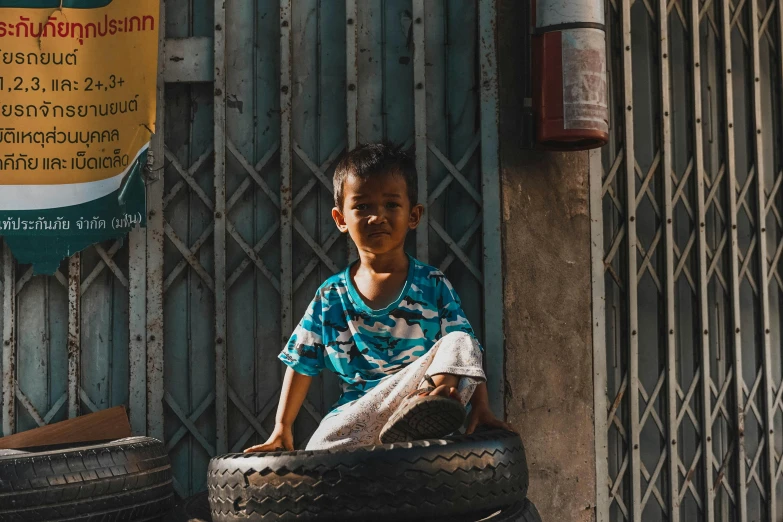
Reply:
x=377, y=212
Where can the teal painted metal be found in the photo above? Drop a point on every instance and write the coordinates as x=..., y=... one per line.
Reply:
x=490, y=187
x=292, y=84
x=419, y=31
x=222, y=226
x=319, y=129
x=9, y=343
x=188, y=299
x=152, y=338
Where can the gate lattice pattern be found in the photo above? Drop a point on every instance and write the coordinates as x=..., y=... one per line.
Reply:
x=184, y=322
x=688, y=340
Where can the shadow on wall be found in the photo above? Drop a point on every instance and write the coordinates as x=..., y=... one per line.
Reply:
x=546, y=244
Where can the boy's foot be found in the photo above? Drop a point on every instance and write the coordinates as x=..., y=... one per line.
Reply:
x=423, y=415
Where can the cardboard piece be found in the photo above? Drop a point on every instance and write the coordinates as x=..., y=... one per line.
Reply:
x=103, y=425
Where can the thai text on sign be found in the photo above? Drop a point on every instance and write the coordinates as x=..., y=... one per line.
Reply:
x=77, y=111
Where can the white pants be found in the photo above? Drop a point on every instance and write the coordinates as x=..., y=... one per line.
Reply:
x=359, y=423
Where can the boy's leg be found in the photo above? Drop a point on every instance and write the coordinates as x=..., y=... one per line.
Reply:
x=445, y=385
x=454, y=362
x=438, y=409
x=358, y=423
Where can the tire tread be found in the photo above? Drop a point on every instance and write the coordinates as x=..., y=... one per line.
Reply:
x=124, y=480
x=385, y=482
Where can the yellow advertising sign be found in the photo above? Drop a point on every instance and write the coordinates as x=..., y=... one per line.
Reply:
x=77, y=110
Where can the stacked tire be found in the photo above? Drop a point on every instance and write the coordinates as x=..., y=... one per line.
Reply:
x=467, y=478
x=524, y=511
x=124, y=480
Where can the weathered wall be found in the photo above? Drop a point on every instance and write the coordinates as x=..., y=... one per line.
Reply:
x=546, y=233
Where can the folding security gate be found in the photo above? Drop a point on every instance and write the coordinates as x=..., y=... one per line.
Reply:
x=687, y=241
x=257, y=100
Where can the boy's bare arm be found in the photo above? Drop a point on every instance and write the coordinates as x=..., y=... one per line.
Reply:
x=481, y=414
x=292, y=395
x=480, y=396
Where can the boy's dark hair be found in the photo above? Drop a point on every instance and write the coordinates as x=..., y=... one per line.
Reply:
x=373, y=159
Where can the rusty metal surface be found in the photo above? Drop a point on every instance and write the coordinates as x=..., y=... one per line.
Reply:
x=9, y=342
x=221, y=220
x=189, y=59
x=74, y=339
x=137, y=329
x=421, y=141
x=153, y=336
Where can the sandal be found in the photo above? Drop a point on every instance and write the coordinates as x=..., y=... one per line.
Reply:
x=423, y=416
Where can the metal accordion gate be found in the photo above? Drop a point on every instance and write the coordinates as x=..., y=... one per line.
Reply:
x=687, y=240
x=256, y=101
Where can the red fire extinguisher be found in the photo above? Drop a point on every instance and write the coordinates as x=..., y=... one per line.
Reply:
x=569, y=74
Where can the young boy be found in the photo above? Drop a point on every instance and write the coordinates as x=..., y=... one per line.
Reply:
x=389, y=326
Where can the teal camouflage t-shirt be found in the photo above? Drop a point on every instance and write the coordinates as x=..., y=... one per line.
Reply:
x=341, y=333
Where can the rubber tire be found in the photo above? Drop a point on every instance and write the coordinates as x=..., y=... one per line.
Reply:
x=196, y=509
x=124, y=480
x=522, y=512
x=407, y=481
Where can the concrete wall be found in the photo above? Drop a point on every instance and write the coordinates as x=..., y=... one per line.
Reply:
x=546, y=232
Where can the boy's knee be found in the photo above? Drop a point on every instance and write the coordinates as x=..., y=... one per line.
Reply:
x=455, y=337
x=460, y=341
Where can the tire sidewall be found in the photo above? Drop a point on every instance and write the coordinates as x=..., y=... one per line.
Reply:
x=449, y=473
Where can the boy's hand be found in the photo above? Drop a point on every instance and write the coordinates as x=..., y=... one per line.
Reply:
x=481, y=415
x=281, y=439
